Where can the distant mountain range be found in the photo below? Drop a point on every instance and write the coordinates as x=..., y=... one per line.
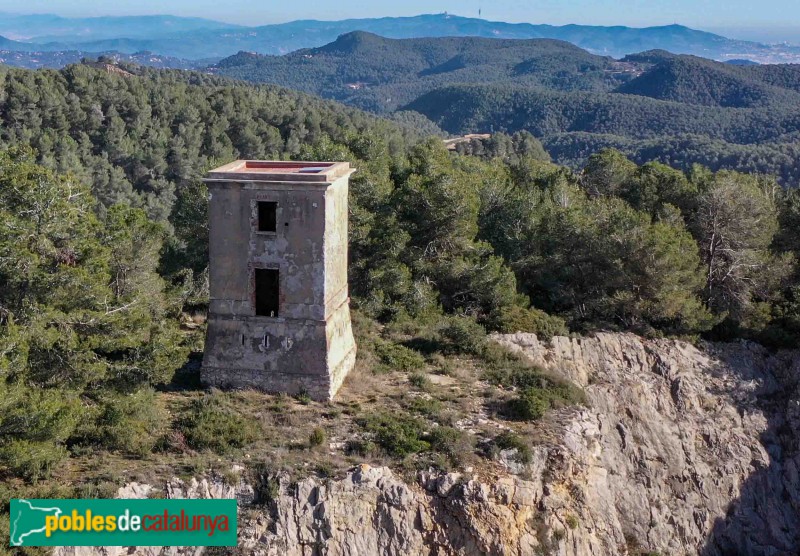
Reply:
x=380, y=74
x=654, y=93
x=44, y=28
x=652, y=105
x=201, y=39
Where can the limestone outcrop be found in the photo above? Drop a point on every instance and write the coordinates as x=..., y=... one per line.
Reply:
x=681, y=449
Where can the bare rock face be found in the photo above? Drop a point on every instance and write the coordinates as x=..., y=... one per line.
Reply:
x=681, y=450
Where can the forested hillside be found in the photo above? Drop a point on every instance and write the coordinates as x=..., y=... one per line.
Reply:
x=103, y=258
x=573, y=125
x=60, y=58
x=137, y=139
x=692, y=80
x=380, y=74
x=655, y=105
x=144, y=140
x=777, y=158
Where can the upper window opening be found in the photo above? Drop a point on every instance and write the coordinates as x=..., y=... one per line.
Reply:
x=267, y=216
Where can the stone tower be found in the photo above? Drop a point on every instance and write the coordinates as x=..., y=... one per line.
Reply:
x=279, y=315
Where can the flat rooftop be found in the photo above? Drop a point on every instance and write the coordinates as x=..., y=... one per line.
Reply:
x=280, y=171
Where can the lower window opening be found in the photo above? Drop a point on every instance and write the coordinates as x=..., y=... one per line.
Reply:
x=267, y=292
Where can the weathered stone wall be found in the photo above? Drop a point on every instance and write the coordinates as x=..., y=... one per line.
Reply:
x=288, y=356
x=341, y=346
x=297, y=248
x=309, y=346
x=336, y=243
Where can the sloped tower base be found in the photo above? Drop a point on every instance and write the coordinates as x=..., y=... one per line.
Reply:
x=294, y=357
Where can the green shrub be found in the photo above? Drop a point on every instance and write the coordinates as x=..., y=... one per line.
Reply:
x=510, y=441
x=506, y=368
x=96, y=489
x=131, y=423
x=38, y=414
x=34, y=426
x=516, y=375
x=514, y=318
x=449, y=441
x=419, y=380
x=303, y=397
x=363, y=448
x=324, y=469
x=402, y=435
x=499, y=358
x=317, y=437
x=430, y=407
x=398, y=436
x=31, y=460
x=398, y=357
x=264, y=476
x=572, y=521
x=211, y=424
x=462, y=335
x=538, y=389
x=530, y=404
x=444, y=365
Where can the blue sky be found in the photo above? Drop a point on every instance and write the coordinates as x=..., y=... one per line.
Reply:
x=716, y=14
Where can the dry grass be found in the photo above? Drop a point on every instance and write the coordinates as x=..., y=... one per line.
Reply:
x=305, y=437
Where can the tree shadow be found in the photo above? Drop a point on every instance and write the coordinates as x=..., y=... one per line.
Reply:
x=764, y=517
x=186, y=377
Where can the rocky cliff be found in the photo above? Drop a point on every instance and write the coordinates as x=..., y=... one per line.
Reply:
x=680, y=450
